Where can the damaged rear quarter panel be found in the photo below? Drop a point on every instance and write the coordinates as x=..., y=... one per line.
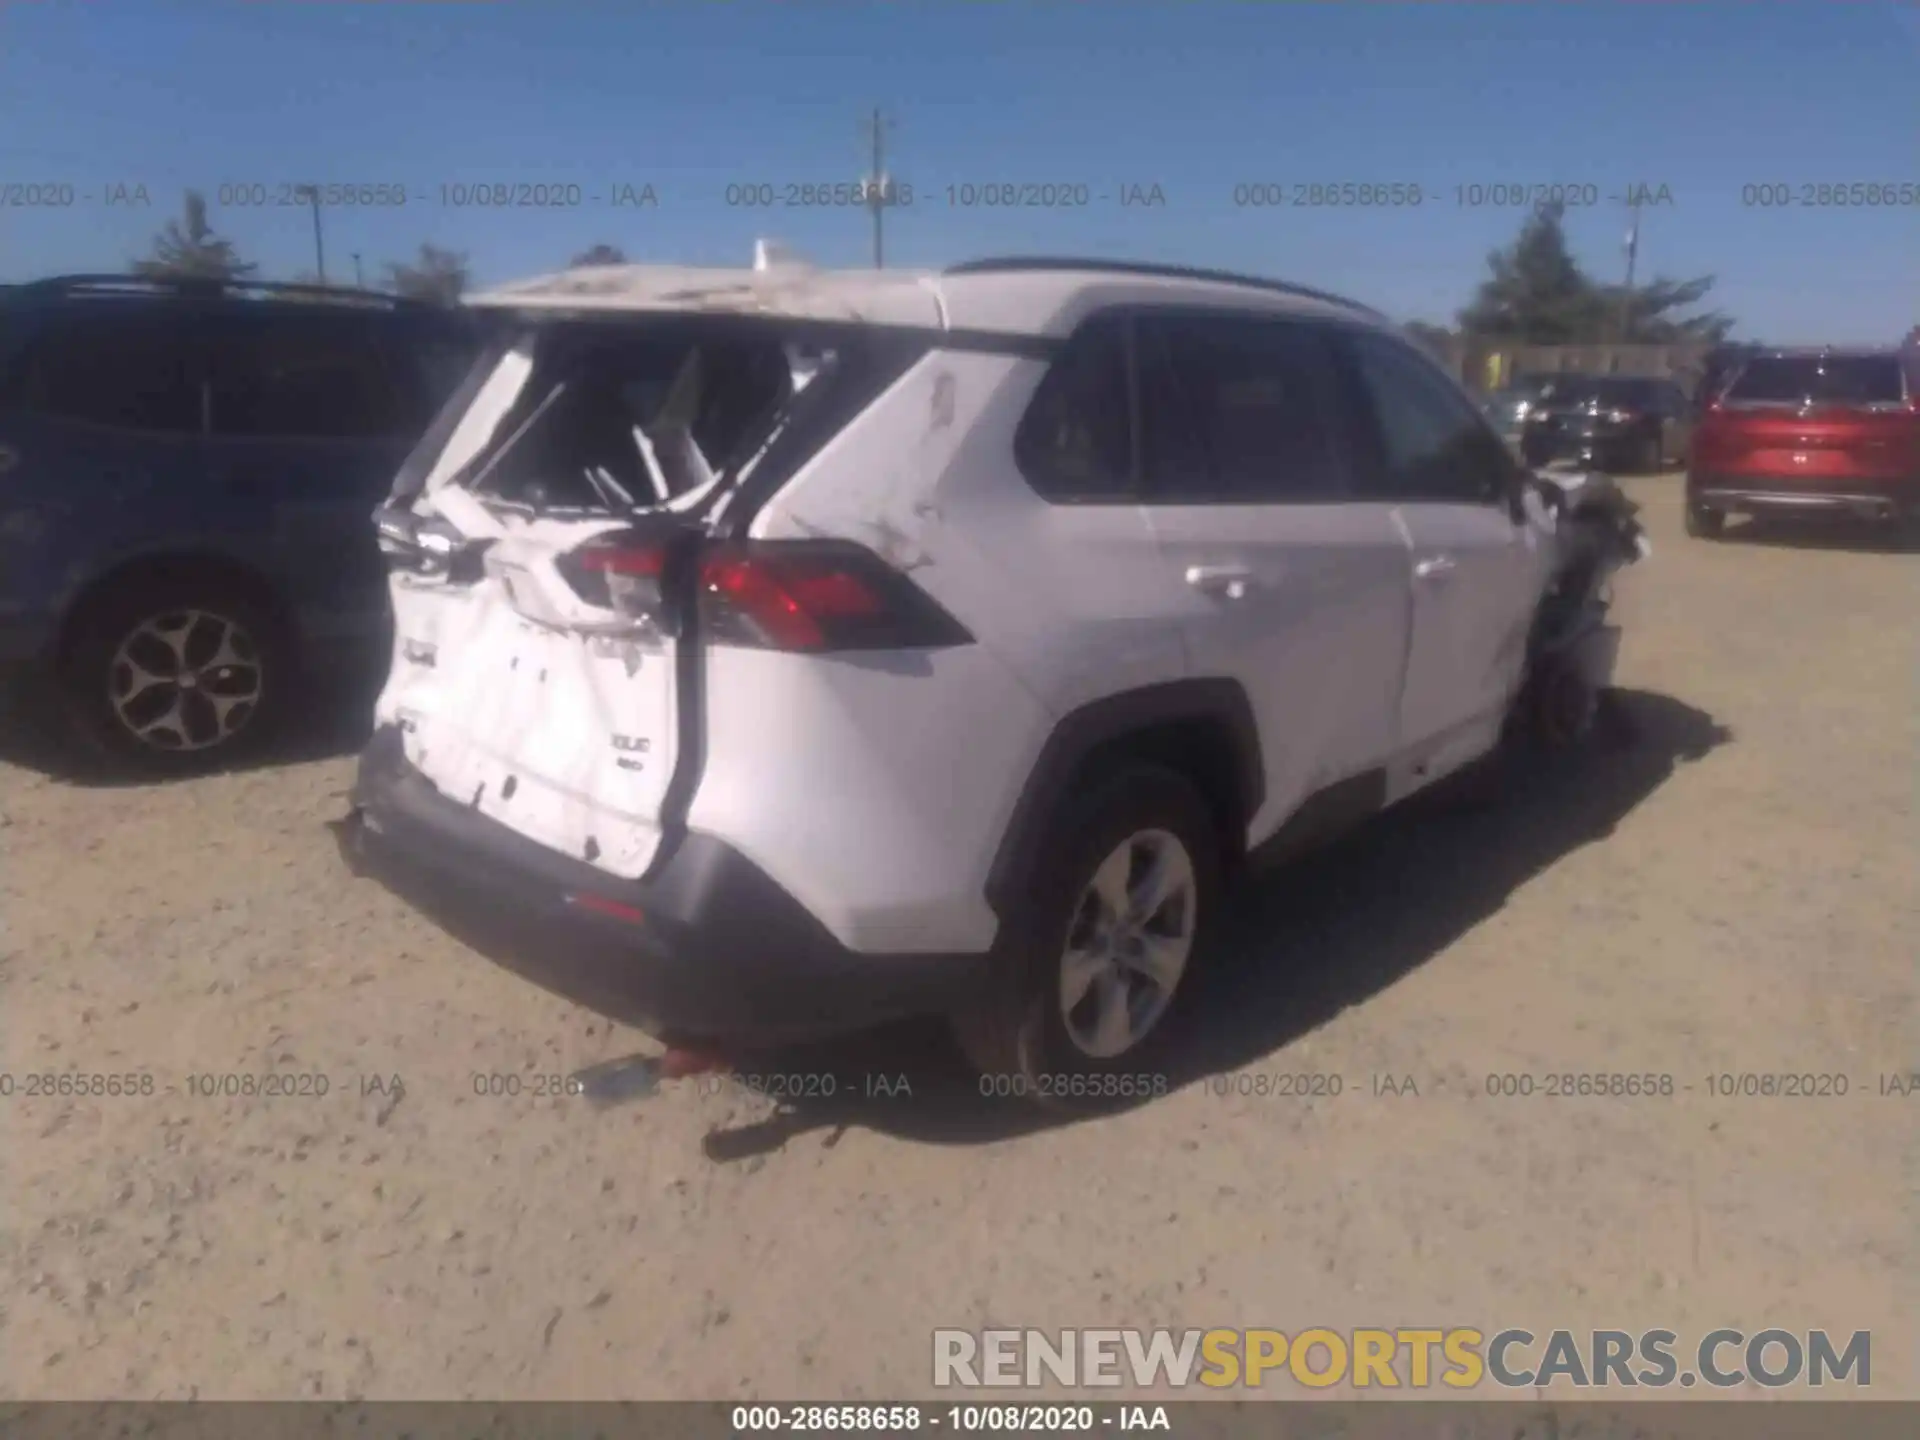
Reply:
x=888, y=481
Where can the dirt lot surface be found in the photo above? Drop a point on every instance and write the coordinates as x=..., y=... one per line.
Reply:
x=1733, y=893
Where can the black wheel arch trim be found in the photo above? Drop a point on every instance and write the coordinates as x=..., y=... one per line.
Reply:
x=218, y=565
x=1080, y=733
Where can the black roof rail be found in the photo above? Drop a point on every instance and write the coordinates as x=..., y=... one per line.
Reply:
x=107, y=284
x=1013, y=264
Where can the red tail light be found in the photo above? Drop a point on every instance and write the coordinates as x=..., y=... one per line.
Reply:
x=802, y=595
x=817, y=596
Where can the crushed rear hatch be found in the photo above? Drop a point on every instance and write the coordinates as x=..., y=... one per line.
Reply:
x=540, y=540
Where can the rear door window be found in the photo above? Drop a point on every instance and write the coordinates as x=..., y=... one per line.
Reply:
x=1819, y=380
x=1645, y=396
x=303, y=377
x=1241, y=410
x=428, y=366
x=125, y=371
x=1075, y=443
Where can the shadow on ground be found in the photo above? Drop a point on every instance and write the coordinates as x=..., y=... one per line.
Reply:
x=334, y=719
x=1325, y=933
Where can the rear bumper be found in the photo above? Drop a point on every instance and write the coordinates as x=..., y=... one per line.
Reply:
x=1890, y=500
x=718, y=951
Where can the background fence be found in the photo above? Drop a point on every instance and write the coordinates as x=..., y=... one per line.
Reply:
x=1490, y=364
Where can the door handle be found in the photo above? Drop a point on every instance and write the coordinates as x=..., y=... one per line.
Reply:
x=1230, y=581
x=1435, y=567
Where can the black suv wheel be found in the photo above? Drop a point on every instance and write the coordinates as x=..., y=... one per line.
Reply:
x=171, y=674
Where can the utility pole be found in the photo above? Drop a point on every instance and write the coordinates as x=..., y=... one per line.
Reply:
x=1633, y=254
x=319, y=247
x=878, y=187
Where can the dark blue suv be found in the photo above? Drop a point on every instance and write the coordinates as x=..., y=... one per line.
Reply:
x=188, y=471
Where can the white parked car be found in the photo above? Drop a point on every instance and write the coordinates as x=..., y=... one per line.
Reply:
x=782, y=651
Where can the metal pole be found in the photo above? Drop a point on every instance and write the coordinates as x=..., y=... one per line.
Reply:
x=359, y=280
x=319, y=246
x=877, y=197
x=1633, y=254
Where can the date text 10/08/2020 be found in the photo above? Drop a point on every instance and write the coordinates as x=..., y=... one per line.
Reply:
x=963, y=195
x=958, y=1419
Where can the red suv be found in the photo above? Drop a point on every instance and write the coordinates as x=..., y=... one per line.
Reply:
x=1809, y=431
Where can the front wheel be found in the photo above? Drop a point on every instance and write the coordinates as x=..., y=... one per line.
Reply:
x=1091, y=981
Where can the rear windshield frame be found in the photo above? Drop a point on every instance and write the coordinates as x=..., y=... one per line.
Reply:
x=555, y=341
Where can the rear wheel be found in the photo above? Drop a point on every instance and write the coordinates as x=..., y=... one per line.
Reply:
x=175, y=674
x=1705, y=523
x=1092, y=981
x=1649, y=456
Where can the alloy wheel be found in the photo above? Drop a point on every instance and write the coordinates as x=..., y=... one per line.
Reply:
x=185, y=680
x=1128, y=945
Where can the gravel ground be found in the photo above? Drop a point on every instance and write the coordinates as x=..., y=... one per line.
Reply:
x=1734, y=892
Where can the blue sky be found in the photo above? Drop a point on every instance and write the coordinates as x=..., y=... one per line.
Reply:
x=1196, y=99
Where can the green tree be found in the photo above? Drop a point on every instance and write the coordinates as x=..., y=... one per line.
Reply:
x=188, y=247
x=434, y=274
x=599, y=255
x=1644, y=316
x=1536, y=293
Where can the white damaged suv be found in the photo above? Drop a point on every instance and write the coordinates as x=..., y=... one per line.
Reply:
x=782, y=651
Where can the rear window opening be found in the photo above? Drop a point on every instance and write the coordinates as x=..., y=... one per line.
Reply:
x=1856, y=380
x=633, y=417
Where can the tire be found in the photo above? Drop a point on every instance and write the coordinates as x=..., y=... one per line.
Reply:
x=1703, y=523
x=1648, y=457
x=236, y=653
x=1023, y=1038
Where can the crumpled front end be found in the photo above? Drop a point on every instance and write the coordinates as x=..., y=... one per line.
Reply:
x=1573, y=648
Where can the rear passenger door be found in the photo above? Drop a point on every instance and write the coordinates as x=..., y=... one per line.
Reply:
x=1287, y=577
x=1477, y=573
x=1086, y=552
x=309, y=418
